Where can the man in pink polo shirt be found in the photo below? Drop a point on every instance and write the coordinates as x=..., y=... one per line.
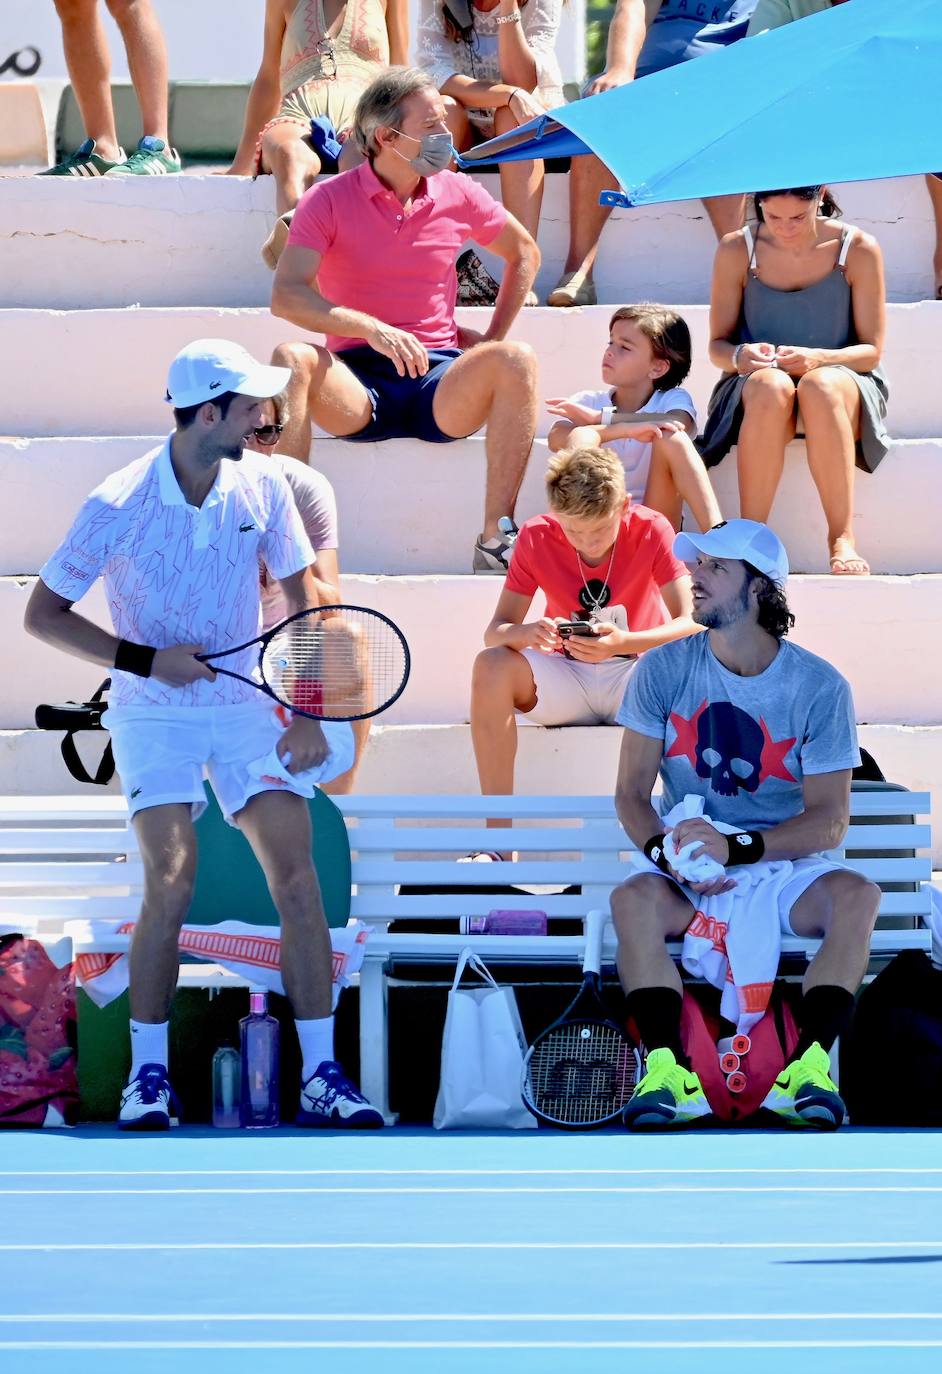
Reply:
x=370, y=263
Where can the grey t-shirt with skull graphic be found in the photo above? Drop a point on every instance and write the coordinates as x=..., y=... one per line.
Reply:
x=744, y=744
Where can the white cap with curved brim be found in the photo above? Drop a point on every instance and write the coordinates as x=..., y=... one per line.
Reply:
x=208, y=368
x=746, y=540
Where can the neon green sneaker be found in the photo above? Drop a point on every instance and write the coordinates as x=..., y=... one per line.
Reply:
x=804, y=1095
x=84, y=162
x=151, y=158
x=668, y=1095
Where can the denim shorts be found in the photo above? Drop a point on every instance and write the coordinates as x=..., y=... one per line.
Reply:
x=402, y=406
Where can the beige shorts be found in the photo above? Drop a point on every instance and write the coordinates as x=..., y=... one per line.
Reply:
x=572, y=693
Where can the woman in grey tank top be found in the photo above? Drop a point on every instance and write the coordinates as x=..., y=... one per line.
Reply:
x=797, y=320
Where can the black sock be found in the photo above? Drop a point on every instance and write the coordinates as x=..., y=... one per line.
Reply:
x=824, y=1013
x=656, y=1013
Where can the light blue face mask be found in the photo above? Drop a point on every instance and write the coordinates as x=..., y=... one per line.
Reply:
x=435, y=153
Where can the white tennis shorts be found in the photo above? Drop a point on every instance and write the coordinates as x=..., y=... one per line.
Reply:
x=162, y=753
x=573, y=693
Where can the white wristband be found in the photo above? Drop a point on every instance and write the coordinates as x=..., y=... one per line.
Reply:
x=508, y=18
x=608, y=415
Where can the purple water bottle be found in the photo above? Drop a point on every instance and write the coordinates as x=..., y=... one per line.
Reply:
x=259, y=1038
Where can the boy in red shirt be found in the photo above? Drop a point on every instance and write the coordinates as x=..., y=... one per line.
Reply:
x=604, y=565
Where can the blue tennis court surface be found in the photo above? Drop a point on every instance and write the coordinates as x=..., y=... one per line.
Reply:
x=408, y=1250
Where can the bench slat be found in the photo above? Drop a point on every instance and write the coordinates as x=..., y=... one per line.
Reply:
x=54, y=842
x=77, y=875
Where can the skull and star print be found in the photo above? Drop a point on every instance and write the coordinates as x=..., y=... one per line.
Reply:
x=744, y=744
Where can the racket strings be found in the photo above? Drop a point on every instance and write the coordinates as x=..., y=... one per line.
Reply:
x=338, y=665
x=581, y=1073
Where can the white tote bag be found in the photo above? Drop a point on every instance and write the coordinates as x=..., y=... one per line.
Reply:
x=483, y=1048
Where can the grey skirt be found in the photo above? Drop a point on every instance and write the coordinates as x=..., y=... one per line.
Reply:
x=725, y=412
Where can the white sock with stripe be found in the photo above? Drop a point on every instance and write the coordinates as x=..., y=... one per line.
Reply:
x=317, y=1043
x=149, y=1044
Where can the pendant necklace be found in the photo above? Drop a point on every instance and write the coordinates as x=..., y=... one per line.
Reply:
x=595, y=603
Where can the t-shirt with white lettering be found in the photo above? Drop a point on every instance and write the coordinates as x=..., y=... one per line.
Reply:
x=175, y=574
x=744, y=744
x=317, y=507
x=635, y=456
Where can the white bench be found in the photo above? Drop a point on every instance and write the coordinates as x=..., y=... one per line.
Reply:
x=64, y=858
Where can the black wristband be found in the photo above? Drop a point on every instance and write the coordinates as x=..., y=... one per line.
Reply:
x=654, y=850
x=134, y=658
x=745, y=847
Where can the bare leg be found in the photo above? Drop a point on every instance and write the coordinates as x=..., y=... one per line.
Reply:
x=167, y=843
x=278, y=827
x=727, y=213
x=89, y=65
x=677, y=475
x=345, y=783
x=768, y=424
x=829, y=404
x=843, y=908
x=588, y=178
x=502, y=683
x=935, y=195
x=496, y=383
x=521, y=183
x=647, y=911
x=292, y=163
x=323, y=389
x=147, y=61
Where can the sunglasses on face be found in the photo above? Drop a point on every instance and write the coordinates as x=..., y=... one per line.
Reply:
x=268, y=435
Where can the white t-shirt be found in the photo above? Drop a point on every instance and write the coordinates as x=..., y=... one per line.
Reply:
x=175, y=574
x=636, y=456
x=317, y=507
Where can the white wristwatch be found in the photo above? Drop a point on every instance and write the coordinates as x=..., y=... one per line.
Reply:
x=608, y=415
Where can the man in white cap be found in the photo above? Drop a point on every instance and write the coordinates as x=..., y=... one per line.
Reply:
x=177, y=536
x=764, y=731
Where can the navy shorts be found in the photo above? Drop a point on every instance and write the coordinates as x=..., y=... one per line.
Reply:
x=402, y=406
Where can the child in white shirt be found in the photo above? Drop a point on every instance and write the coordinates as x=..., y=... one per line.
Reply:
x=643, y=414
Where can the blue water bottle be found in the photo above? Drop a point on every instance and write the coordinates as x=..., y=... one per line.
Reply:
x=259, y=1107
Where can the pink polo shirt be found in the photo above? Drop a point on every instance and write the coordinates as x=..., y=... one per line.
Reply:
x=395, y=264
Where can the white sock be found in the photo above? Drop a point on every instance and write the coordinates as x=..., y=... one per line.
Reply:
x=317, y=1043
x=148, y=1044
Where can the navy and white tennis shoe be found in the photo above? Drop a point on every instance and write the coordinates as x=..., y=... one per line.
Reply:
x=329, y=1099
x=145, y=1101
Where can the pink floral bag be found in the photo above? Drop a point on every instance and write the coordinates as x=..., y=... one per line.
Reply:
x=38, y=1080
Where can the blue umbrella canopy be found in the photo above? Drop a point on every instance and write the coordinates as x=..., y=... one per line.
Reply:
x=852, y=94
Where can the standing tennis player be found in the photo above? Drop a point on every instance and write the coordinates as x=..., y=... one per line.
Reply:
x=177, y=537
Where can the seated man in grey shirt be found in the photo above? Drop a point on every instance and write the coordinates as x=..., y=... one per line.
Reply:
x=763, y=731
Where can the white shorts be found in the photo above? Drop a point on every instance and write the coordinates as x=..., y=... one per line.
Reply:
x=573, y=693
x=162, y=753
x=804, y=872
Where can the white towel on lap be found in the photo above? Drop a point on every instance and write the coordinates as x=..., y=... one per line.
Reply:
x=734, y=941
x=339, y=758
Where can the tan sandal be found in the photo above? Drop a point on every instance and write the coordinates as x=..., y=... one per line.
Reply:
x=274, y=245
x=573, y=288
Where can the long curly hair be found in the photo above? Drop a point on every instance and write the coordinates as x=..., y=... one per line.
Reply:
x=774, y=615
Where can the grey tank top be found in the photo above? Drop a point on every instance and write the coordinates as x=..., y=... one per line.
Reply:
x=816, y=316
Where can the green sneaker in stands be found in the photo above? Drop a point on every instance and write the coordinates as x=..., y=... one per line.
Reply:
x=85, y=162
x=151, y=158
x=668, y=1095
x=804, y=1094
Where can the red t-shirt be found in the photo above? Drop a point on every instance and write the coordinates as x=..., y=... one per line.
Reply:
x=544, y=560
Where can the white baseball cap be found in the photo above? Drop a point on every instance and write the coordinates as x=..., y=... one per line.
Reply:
x=746, y=540
x=207, y=368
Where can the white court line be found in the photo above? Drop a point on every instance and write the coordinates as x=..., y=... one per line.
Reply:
x=558, y=1317
x=438, y=1173
x=515, y=1191
x=471, y=1345
x=138, y=1246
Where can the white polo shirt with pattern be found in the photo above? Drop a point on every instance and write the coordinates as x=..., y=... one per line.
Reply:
x=178, y=574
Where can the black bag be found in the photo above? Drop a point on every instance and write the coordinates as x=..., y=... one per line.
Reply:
x=71, y=717
x=891, y=1056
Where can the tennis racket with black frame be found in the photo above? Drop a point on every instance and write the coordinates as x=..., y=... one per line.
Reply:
x=580, y=1072
x=330, y=662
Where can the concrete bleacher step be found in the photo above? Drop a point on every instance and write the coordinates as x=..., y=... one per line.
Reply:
x=194, y=240
x=884, y=635
x=402, y=758
x=409, y=507
x=117, y=361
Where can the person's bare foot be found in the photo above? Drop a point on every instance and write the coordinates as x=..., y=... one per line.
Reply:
x=846, y=561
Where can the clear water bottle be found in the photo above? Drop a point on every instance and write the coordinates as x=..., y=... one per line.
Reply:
x=259, y=1106
x=227, y=1083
